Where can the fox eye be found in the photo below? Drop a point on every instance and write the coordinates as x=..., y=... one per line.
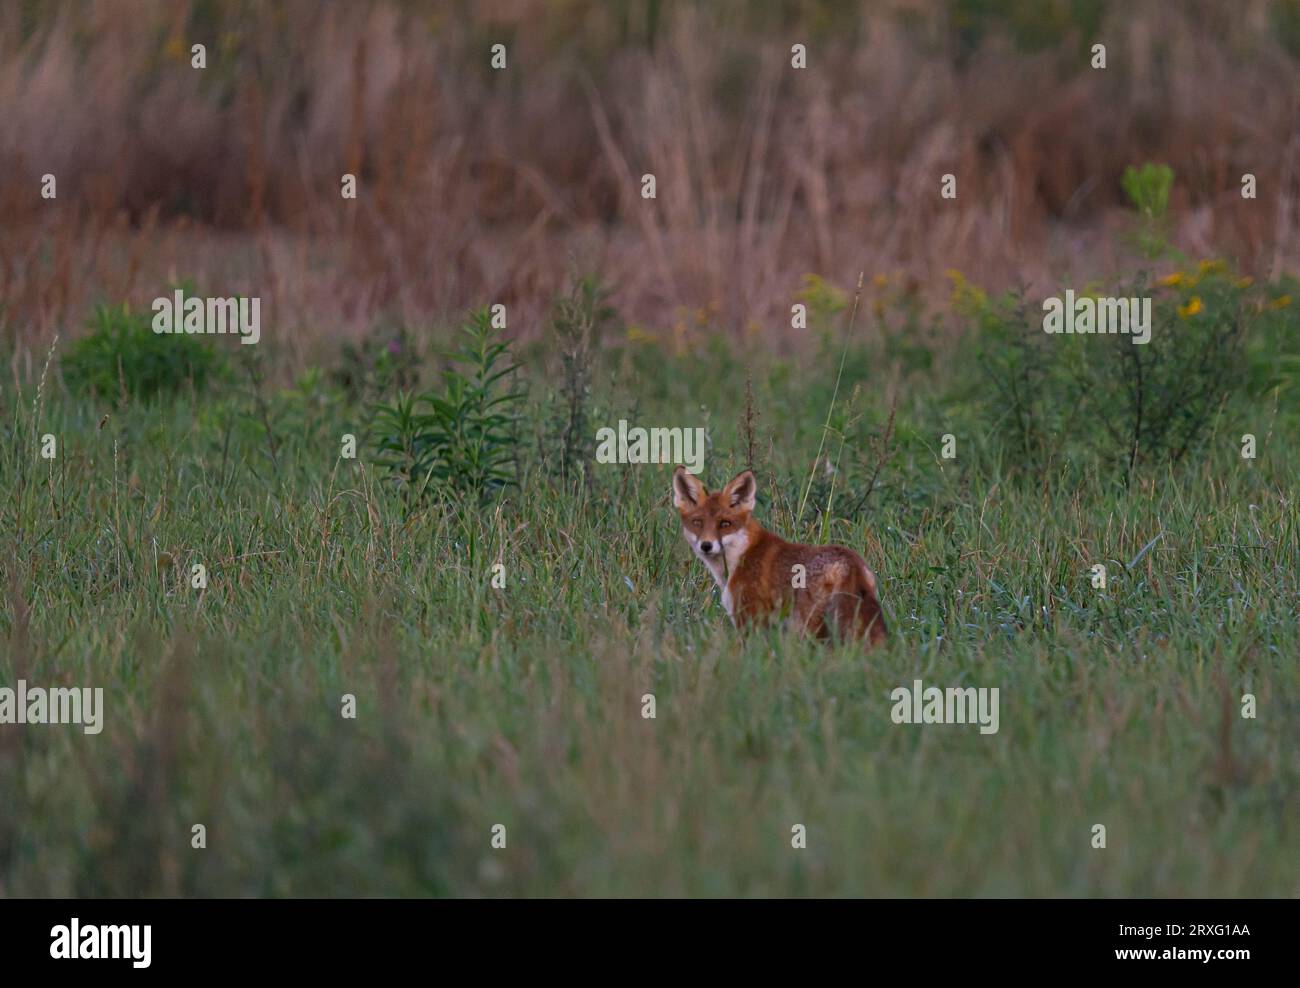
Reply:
x=697, y=523
x=724, y=523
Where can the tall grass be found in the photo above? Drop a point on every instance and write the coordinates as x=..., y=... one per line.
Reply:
x=522, y=706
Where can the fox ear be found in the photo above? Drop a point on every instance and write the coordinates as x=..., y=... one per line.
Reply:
x=740, y=492
x=688, y=492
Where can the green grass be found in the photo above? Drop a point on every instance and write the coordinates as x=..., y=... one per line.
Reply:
x=522, y=706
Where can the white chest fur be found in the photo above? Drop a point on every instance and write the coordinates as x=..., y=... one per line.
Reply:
x=728, y=603
x=733, y=548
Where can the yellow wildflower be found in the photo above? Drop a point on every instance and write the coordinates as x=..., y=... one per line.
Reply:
x=966, y=298
x=1281, y=302
x=1192, y=307
x=822, y=296
x=1170, y=280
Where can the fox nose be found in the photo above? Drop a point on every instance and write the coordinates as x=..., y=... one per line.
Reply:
x=706, y=546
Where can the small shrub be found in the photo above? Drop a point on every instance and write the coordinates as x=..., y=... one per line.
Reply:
x=1148, y=190
x=462, y=439
x=1122, y=403
x=122, y=355
x=1164, y=394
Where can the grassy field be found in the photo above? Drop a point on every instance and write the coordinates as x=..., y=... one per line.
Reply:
x=522, y=705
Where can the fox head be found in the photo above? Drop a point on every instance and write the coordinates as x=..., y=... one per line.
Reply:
x=711, y=522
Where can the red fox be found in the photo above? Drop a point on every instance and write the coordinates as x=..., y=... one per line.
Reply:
x=821, y=590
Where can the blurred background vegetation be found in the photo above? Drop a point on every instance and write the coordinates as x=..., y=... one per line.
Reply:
x=479, y=186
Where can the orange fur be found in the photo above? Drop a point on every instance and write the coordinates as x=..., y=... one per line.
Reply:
x=835, y=592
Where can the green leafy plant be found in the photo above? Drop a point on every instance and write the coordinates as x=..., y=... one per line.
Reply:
x=462, y=439
x=401, y=440
x=1016, y=361
x=1148, y=190
x=1118, y=403
x=1123, y=404
x=1155, y=402
x=123, y=356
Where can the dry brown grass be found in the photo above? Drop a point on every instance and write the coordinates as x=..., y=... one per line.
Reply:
x=480, y=186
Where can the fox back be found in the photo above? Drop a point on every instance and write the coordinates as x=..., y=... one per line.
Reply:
x=817, y=590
